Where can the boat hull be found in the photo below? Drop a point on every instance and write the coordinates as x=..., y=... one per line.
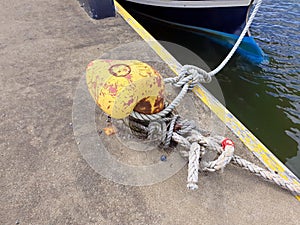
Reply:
x=224, y=19
x=222, y=25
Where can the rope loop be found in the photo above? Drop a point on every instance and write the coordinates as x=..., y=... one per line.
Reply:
x=221, y=161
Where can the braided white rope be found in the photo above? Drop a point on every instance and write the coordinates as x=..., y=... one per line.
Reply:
x=221, y=161
x=200, y=145
x=239, y=40
x=193, y=167
x=197, y=145
x=225, y=158
x=164, y=112
x=267, y=175
x=181, y=140
x=185, y=126
x=188, y=78
x=207, y=75
x=170, y=131
x=234, y=48
x=157, y=130
x=190, y=75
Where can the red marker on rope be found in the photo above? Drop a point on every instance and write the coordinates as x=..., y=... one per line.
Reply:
x=227, y=142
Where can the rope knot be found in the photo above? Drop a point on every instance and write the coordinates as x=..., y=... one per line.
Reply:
x=192, y=75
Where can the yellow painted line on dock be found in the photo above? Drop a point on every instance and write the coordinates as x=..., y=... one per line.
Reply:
x=252, y=143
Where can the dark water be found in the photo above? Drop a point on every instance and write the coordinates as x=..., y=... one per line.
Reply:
x=265, y=97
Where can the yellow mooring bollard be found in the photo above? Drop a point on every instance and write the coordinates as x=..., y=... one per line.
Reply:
x=121, y=86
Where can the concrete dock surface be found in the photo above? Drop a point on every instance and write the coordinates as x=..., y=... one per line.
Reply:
x=44, y=49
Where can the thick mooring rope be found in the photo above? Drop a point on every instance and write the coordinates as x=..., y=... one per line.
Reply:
x=194, y=158
x=239, y=40
x=189, y=76
x=267, y=175
x=187, y=80
x=197, y=145
x=207, y=75
x=193, y=139
x=174, y=103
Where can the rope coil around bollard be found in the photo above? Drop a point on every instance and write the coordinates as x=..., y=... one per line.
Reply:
x=195, y=141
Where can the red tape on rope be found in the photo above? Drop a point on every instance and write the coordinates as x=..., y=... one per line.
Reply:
x=226, y=142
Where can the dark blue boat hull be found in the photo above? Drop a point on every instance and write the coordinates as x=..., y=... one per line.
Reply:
x=225, y=19
x=222, y=25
